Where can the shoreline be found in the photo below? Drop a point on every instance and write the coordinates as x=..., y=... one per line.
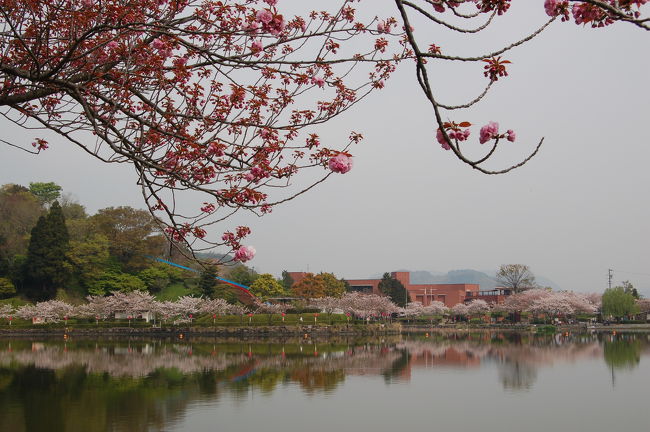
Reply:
x=225, y=331
x=301, y=331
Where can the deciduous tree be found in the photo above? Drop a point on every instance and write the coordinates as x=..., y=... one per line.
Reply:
x=618, y=303
x=266, y=286
x=333, y=287
x=517, y=277
x=131, y=234
x=45, y=193
x=19, y=212
x=311, y=286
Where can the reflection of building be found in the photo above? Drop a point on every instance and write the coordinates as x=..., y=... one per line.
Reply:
x=449, y=294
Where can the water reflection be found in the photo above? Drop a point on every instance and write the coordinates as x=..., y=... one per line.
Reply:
x=145, y=384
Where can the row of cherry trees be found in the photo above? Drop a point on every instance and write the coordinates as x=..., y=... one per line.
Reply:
x=536, y=302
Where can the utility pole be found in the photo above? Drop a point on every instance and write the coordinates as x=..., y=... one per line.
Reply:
x=610, y=275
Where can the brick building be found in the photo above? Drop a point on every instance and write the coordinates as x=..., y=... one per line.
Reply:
x=449, y=294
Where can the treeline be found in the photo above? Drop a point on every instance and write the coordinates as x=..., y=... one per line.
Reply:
x=50, y=247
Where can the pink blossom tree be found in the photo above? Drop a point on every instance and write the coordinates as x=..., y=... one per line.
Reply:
x=224, y=98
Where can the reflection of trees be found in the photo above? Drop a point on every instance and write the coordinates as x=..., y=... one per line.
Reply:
x=397, y=368
x=517, y=375
x=311, y=380
x=622, y=354
x=144, y=385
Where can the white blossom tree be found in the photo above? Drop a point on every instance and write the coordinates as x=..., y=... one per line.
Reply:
x=436, y=308
x=215, y=307
x=327, y=305
x=552, y=305
x=48, y=311
x=98, y=307
x=133, y=303
x=6, y=311
x=365, y=306
x=459, y=310
x=478, y=308
x=271, y=309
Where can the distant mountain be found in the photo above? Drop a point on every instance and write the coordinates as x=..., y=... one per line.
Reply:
x=213, y=256
x=466, y=276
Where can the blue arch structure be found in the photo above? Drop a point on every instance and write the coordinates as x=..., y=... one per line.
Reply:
x=240, y=287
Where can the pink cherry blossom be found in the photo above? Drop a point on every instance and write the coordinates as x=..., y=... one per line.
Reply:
x=320, y=82
x=158, y=44
x=245, y=253
x=252, y=27
x=441, y=139
x=271, y=2
x=489, y=131
x=557, y=7
x=277, y=25
x=511, y=136
x=340, y=163
x=264, y=16
x=257, y=46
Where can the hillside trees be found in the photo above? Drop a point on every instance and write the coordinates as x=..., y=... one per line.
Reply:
x=131, y=234
x=224, y=97
x=19, y=211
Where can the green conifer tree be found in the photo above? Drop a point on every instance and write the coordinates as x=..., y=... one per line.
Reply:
x=207, y=281
x=46, y=255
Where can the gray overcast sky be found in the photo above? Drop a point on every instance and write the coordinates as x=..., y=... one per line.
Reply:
x=578, y=208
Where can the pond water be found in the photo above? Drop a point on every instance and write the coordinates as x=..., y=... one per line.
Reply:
x=459, y=382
